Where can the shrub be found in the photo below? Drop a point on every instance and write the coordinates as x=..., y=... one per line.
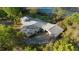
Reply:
x=59, y=14
x=64, y=44
x=68, y=21
x=2, y=13
x=7, y=37
x=12, y=11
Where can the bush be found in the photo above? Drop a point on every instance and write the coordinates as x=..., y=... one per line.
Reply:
x=12, y=11
x=20, y=35
x=59, y=14
x=2, y=13
x=68, y=21
x=65, y=44
x=7, y=37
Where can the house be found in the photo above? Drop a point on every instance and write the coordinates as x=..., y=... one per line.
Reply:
x=53, y=29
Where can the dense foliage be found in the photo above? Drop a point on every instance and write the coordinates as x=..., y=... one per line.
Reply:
x=71, y=20
x=64, y=44
x=7, y=37
x=14, y=11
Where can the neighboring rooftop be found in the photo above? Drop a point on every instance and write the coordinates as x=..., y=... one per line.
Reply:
x=32, y=26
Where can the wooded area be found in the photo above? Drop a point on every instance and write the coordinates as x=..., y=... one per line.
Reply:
x=11, y=37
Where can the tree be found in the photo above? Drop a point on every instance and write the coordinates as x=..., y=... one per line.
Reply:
x=70, y=20
x=13, y=13
x=2, y=13
x=59, y=14
x=63, y=44
x=7, y=38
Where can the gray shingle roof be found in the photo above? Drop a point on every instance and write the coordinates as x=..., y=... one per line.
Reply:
x=52, y=29
x=55, y=31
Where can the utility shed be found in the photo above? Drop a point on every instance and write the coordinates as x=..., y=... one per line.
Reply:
x=53, y=29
